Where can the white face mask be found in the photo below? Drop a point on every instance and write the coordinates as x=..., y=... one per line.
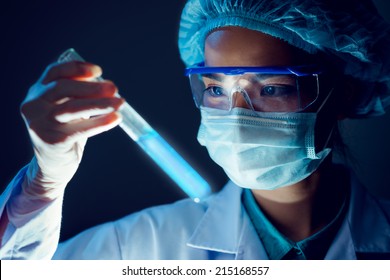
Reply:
x=261, y=150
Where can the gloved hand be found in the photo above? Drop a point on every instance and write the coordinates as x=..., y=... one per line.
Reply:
x=61, y=110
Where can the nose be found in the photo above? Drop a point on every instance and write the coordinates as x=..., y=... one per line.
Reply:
x=240, y=99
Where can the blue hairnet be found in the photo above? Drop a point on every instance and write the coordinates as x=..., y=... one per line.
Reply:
x=351, y=32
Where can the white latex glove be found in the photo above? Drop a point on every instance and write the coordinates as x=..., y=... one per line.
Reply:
x=61, y=110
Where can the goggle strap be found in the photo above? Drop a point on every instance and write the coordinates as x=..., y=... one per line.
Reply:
x=325, y=100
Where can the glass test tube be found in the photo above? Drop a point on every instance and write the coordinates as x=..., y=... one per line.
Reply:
x=155, y=146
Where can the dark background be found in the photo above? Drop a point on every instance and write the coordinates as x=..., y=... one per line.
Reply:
x=135, y=43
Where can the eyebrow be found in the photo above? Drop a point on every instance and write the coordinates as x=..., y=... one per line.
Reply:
x=213, y=76
x=253, y=77
x=262, y=77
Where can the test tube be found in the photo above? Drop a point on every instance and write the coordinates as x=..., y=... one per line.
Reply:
x=179, y=170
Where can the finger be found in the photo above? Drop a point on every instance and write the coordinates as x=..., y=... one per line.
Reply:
x=65, y=88
x=72, y=69
x=65, y=134
x=85, y=108
x=91, y=127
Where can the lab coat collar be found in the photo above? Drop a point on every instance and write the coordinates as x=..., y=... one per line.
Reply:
x=222, y=230
x=365, y=229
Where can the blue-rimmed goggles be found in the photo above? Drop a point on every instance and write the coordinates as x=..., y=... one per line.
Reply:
x=263, y=89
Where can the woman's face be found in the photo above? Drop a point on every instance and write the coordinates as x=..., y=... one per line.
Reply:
x=236, y=46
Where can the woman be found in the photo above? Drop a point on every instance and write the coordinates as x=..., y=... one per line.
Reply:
x=271, y=80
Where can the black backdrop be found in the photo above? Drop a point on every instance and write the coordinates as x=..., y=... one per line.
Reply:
x=135, y=43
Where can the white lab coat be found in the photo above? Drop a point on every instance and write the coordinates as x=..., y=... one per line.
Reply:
x=217, y=228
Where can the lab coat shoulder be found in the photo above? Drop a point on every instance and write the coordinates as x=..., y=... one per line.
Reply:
x=369, y=218
x=219, y=228
x=159, y=232
x=384, y=204
x=216, y=228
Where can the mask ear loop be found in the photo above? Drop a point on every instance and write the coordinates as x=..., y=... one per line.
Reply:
x=332, y=129
x=325, y=100
x=329, y=137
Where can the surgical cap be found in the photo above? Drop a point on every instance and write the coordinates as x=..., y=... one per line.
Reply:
x=350, y=32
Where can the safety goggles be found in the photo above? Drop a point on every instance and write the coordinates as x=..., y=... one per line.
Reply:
x=263, y=89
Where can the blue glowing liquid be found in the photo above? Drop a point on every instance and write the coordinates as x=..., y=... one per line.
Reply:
x=174, y=165
x=155, y=146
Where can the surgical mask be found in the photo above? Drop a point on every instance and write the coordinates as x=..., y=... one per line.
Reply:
x=261, y=150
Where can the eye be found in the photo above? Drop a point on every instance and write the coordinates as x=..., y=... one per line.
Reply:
x=278, y=90
x=215, y=91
